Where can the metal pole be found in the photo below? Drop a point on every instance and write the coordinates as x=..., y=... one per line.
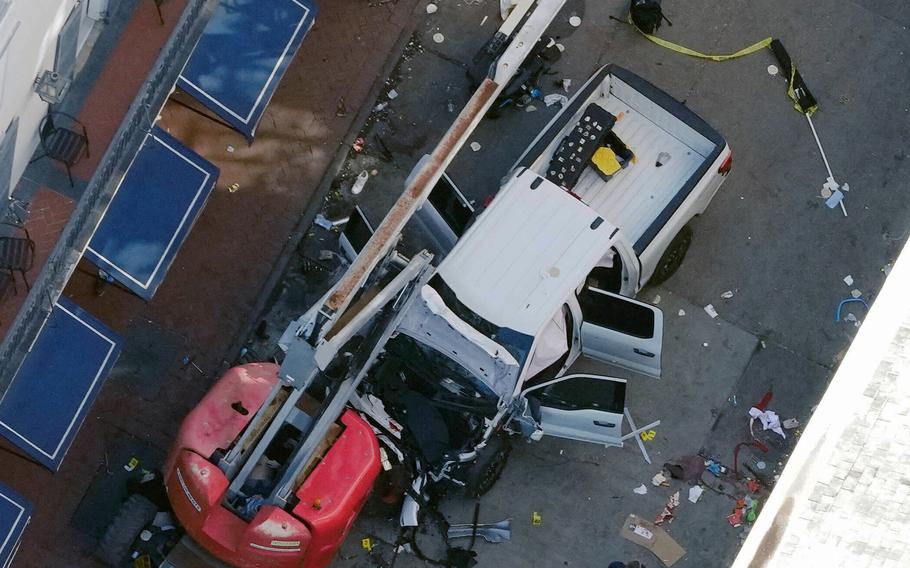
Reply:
x=824, y=158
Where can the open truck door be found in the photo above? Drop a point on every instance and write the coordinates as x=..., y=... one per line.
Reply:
x=621, y=331
x=583, y=407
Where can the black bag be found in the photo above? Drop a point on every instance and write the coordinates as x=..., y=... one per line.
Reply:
x=646, y=15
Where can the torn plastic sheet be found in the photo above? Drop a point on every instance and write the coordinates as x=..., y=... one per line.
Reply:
x=490, y=532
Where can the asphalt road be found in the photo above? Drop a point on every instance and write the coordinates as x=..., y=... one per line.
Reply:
x=767, y=236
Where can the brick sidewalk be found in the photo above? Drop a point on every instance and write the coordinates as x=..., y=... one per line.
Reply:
x=221, y=270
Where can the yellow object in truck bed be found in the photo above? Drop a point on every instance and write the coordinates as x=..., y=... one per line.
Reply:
x=604, y=159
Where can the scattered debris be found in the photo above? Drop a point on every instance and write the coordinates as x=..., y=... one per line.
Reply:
x=746, y=509
x=709, y=309
x=230, y=149
x=574, y=21
x=536, y=519
x=556, y=98
x=716, y=468
x=374, y=172
x=566, y=84
x=856, y=293
x=393, y=94
x=695, y=493
x=732, y=399
x=768, y=418
x=329, y=224
x=772, y=70
x=753, y=485
x=727, y=295
x=653, y=538
x=791, y=423
x=667, y=514
x=342, y=108
x=484, y=20
x=662, y=159
x=640, y=490
x=705, y=344
x=361, y=181
x=681, y=313
x=840, y=306
x=848, y=280
x=358, y=144
x=431, y=8
x=735, y=518
x=530, y=108
x=476, y=146
x=660, y=480
x=656, y=299
x=234, y=187
x=438, y=37
x=887, y=269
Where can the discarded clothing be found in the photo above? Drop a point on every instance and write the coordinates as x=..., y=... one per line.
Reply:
x=769, y=420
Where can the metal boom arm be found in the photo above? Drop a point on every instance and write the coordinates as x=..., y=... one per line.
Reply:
x=424, y=180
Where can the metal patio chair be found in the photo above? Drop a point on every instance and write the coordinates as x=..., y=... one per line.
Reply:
x=63, y=138
x=17, y=254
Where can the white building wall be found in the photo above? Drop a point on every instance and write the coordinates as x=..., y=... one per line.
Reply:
x=34, y=26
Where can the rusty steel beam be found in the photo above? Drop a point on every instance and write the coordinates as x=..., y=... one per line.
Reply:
x=416, y=193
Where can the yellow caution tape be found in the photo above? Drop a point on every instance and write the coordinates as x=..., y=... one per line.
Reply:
x=765, y=43
x=792, y=94
x=691, y=52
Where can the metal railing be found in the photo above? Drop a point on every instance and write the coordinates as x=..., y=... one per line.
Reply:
x=75, y=236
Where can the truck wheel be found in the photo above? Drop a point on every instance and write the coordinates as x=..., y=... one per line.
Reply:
x=135, y=513
x=488, y=466
x=673, y=256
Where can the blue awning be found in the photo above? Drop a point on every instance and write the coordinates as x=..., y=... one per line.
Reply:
x=15, y=512
x=244, y=51
x=57, y=383
x=150, y=215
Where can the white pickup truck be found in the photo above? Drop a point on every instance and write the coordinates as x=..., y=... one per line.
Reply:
x=542, y=276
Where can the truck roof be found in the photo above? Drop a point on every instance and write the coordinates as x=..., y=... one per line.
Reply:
x=526, y=253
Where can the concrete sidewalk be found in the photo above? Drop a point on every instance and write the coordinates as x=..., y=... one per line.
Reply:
x=217, y=277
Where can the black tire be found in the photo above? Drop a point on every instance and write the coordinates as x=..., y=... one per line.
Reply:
x=488, y=466
x=134, y=514
x=673, y=256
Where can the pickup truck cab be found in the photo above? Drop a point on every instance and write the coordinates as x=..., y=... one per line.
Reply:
x=596, y=207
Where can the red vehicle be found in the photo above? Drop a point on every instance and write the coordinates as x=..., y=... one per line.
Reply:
x=244, y=526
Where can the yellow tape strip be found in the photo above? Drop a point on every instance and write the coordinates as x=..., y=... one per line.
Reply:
x=792, y=94
x=691, y=52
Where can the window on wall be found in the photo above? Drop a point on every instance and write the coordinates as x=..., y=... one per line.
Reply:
x=68, y=43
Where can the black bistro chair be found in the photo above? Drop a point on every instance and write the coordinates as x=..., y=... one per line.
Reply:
x=17, y=254
x=63, y=138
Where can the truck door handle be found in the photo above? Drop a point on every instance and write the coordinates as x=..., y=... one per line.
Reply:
x=643, y=353
x=605, y=424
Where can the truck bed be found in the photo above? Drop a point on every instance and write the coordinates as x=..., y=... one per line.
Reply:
x=649, y=122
